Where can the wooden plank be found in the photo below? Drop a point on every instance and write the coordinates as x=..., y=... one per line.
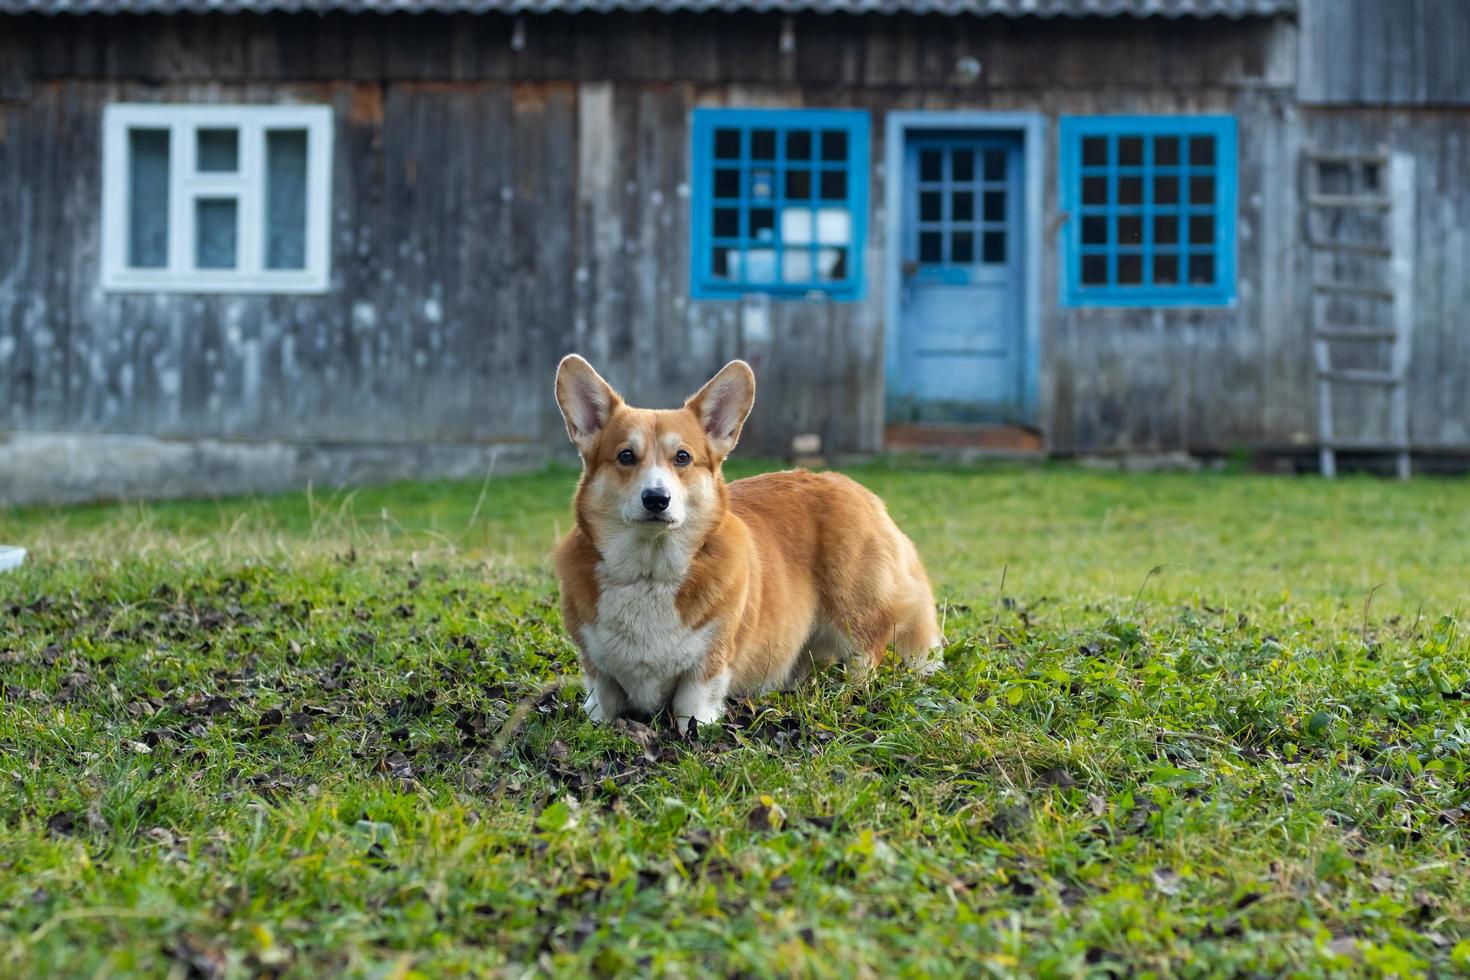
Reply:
x=1339, y=156
x=1363, y=201
x=1362, y=376
x=1361, y=248
x=1353, y=288
x=1366, y=445
x=1335, y=332
x=1402, y=187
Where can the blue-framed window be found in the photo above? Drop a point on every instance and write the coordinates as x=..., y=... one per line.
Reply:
x=780, y=202
x=1150, y=208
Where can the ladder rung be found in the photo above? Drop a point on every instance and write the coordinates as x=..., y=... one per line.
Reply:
x=1334, y=331
x=1358, y=376
x=1374, y=202
x=1362, y=248
x=1354, y=288
x=1367, y=445
x=1330, y=156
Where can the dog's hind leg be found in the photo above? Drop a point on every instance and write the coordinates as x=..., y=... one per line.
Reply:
x=916, y=637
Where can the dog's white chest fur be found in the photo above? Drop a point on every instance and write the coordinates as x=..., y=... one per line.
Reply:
x=639, y=638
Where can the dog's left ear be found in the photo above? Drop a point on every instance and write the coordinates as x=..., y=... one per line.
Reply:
x=723, y=405
x=586, y=401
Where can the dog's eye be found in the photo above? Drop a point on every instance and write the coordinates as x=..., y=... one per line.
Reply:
x=627, y=458
x=682, y=458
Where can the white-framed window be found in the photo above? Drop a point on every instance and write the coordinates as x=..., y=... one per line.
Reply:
x=216, y=198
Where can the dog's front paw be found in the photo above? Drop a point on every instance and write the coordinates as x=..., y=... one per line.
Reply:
x=594, y=710
x=605, y=701
x=689, y=724
x=702, y=700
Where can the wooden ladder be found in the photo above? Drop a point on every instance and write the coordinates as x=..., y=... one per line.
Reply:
x=1364, y=229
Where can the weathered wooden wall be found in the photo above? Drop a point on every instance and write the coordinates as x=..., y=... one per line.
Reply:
x=1385, y=52
x=1394, y=75
x=495, y=208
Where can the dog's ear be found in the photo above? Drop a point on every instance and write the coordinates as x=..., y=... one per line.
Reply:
x=723, y=405
x=586, y=401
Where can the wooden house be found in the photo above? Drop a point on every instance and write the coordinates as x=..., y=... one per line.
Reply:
x=248, y=243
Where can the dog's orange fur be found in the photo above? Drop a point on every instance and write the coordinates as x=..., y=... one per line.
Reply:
x=766, y=576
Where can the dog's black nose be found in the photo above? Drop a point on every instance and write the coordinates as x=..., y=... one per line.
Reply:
x=656, y=501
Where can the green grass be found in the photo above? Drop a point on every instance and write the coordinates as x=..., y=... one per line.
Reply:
x=1191, y=724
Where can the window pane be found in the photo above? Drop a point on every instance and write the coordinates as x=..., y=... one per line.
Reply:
x=1130, y=229
x=722, y=261
x=931, y=165
x=1201, y=229
x=1201, y=151
x=1201, y=190
x=727, y=222
x=1130, y=269
x=1166, y=190
x=834, y=226
x=762, y=224
x=1095, y=151
x=931, y=247
x=834, y=185
x=763, y=144
x=217, y=151
x=1130, y=151
x=1095, y=270
x=799, y=185
x=1130, y=190
x=995, y=246
x=995, y=164
x=1094, y=230
x=148, y=198
x=1166, y=269
x=832, y=264
x=1094, y=190
x=962, y=163
x=995, y=205
x=760, y=265
x=962, y=206
x=1202, y=269
x=762, y=184
x=727, y=183
x=834, y=145
x=727, y=144
x=1166, y=151
x=214, y=233
x=962, y=247
x=797, y=226
x=931, y=206
x=285, y=199
x=796, y=265
x=799, y=144
x=1166, y=229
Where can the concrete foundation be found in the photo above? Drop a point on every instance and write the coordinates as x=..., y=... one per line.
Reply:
x=56, y=468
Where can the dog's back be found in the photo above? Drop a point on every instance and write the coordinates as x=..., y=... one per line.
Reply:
x=836, y=572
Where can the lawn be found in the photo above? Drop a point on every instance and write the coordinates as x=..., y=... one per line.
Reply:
x=1191, y=723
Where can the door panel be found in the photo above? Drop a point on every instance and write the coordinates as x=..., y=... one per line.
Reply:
x=959, y=355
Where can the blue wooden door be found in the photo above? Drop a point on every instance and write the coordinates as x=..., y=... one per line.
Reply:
x=959, y=354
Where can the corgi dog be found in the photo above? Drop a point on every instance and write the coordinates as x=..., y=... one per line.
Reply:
x=681, y=590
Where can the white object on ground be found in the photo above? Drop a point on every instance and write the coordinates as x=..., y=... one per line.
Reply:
x=11, y=557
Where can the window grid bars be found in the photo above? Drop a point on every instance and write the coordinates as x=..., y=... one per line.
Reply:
x=1147, y=210
x=851, y=127
x=978, y=186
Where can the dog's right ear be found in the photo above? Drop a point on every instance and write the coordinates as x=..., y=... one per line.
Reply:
x=586, y=401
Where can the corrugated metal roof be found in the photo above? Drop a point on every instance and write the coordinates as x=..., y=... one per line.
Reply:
x=1003, y=8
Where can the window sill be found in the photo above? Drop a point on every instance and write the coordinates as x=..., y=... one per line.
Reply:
x=302, y=283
